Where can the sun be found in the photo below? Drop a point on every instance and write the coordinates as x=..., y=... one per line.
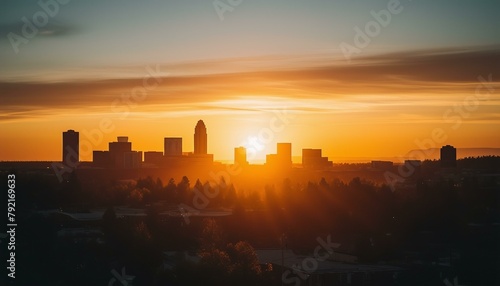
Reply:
x=254, y=147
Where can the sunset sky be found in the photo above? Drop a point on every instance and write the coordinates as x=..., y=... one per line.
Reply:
x=261, y=69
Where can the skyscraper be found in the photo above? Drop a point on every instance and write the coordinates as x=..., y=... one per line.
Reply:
x=172, y=146
x=71, y=146
x=448, y=156
x=200, y=138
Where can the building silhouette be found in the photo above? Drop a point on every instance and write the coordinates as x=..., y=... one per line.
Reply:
x=153, y=157
x=172, y=146
x=200, y=138
x=285, y=152
x=120, y=155
x=132, y=159
x=283, y=158
x=118, y=149
x=101, y=159
x=71, y=147
x=240, y=156
x=312, y=158
x=448, y=156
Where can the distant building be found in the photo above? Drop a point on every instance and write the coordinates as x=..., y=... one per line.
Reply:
x=101, y=159
x=382, y=165
x=153, y=157
x=448, y=156
x=200, y=138
x=312, y=158
x=240, y=156
x=283, y=158
x=117, y=151
x=120, y=155
x=285, y=153
x=172, y=146
x=71, y=147
x=132, y=159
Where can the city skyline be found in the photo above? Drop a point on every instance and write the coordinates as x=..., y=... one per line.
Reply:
x=253, y=150
x=121, y=155
x=334, y=73
x=250, y=142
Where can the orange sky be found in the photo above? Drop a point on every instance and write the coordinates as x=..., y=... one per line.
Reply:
x=361, y=78
x=378, y=106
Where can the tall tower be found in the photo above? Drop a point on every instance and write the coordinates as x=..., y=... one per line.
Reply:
x=200, y=138
x=71, y=146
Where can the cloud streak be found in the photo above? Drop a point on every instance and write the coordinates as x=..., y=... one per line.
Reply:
x=49, y=30
x=425, y=77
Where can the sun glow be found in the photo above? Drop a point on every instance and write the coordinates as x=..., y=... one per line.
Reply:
x=255, y=148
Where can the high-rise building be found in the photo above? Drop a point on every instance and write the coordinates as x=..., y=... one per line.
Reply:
x=71, y=146
x=200, y=138
x=117, y=151
x=132, y=159
x=240, y=156
x=285, y=154
x=448, y=156
x=172, y=146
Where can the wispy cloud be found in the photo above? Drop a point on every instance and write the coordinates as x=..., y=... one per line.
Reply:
x=419, y=78
x=52, y=29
